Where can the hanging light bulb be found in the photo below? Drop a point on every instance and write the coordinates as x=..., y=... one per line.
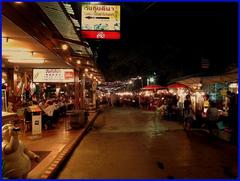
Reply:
x=64, y=47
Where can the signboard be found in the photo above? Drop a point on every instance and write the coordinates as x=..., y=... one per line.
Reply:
x=100, y=21
x=53, y=75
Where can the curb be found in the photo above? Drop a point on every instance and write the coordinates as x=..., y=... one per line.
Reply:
x=51, y=170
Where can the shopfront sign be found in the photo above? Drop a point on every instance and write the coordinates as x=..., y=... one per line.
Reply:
x=100, y=21
x=53, y=75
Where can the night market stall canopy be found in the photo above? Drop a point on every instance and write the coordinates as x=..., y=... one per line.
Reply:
x=177, y=86
x=153, y=87
x=230, y=76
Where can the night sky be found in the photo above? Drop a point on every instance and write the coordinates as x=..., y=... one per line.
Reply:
x=170, y=39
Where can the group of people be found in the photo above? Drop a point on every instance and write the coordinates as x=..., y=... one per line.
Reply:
x=52, y=110
x=171, y=107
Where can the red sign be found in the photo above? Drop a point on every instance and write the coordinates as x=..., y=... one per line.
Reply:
x=68, y=75
x=100, y=35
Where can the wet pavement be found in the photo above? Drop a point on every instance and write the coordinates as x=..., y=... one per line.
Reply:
x=130, y=143
x=54, y=142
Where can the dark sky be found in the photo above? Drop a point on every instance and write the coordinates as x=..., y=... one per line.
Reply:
x=170, y=39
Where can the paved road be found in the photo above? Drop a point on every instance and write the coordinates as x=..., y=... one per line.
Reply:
x=130, y=143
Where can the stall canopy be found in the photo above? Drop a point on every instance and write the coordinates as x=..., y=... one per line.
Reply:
x=177, y=85
x=230, y=76
x=152, y=87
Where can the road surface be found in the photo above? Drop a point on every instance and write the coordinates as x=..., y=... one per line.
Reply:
x=128, y=143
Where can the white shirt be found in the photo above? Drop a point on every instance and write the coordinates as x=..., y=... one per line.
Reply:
x=49, y=110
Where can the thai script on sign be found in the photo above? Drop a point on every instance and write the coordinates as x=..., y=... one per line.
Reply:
x=53, y=71
x=99, y=8
x=53, y=75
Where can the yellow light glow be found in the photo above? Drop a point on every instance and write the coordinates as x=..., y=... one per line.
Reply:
x=17, y=55
x=86, y=70
x=26, y=60
x=21, y=55
x=78, y=62
x=233, y=85
x=64, y=47
x=5, y=39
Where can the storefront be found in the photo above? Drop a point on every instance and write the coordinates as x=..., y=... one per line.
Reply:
x=33, y=72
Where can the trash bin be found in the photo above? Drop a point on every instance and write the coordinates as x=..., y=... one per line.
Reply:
x=36, y=114
x=77, y=119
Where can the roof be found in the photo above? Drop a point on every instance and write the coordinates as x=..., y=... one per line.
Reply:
x=230, y=76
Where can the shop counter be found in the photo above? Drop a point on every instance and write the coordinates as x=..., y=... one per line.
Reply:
x=8, y=117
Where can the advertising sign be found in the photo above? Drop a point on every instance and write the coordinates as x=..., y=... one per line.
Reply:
x=101, y=17
x=53, y=75
x=100, y=21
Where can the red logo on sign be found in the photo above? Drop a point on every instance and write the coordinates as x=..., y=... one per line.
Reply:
x=68, y=75
x=101, y=34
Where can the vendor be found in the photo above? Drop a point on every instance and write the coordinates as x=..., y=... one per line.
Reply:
x=206, y=103
x=48, y=110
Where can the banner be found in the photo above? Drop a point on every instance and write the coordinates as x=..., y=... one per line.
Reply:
x=53, y=75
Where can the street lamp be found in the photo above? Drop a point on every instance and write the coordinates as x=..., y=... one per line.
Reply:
x=151, y=79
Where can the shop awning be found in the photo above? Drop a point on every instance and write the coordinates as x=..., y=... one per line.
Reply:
x=23, y=45
x=230, y=76
x=65, y=25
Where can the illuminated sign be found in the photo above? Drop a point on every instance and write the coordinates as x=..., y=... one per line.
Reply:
x=53, y=75
x=100, y=34
x=100, y=21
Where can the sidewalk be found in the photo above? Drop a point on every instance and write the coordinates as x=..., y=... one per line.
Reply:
x=58, y=143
